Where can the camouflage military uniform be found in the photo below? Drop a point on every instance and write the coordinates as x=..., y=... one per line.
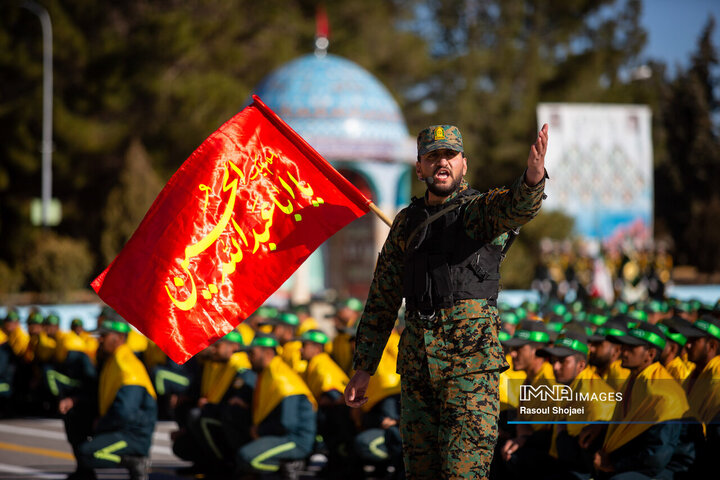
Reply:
x=449, y=365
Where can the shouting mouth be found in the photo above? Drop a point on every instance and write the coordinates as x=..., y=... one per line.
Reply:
x=442, y=174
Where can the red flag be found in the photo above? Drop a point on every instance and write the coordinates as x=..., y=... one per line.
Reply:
x=233, y=223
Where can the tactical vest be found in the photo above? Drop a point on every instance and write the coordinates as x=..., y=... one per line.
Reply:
x=442, y=263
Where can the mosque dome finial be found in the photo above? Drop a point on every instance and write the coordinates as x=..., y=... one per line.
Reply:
x=322, y=32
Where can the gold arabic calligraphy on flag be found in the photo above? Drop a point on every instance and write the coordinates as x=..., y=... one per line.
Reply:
x=283, y=194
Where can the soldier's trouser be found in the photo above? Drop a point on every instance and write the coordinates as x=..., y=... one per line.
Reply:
x=106, y=450
x=449, y=426
x=370, y=445
x=266, y=453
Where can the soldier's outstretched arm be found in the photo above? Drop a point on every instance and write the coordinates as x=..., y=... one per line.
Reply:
x=504, y=209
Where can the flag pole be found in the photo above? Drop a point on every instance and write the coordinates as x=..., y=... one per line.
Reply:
x=380, y=214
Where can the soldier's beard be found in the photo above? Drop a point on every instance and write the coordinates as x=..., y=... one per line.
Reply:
x=443, y=191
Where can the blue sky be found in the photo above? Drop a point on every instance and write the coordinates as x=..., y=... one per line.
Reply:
x=674, y=27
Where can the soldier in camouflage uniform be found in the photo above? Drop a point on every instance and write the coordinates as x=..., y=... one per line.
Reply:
x=449, y=354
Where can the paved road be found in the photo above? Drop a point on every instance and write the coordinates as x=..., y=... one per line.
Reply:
x=37, y=449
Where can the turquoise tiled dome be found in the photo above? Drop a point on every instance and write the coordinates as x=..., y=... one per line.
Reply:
x=339, y=108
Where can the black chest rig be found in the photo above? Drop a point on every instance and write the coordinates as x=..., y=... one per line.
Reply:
x=442, y=263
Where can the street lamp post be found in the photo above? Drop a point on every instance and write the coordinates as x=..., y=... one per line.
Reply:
x=46, y=147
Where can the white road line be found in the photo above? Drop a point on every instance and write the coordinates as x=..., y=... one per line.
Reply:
x=29, y=472
x=163, y=436
x=32, y=432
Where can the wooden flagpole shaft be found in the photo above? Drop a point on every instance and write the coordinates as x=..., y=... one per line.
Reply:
x=380, y=214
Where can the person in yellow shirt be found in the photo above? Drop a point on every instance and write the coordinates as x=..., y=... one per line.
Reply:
x=31, y=396
x=91, y=343
x=644, y=439
x=569, y=445
x=307, y=322
x=71, y=368
x=347, y=315
x=703, y=391
x=285, y=327
x=13, y=343
x=327, y=382
x=533, y=439
x=121, y=434
x=217, y=427
x=605, y=352
x=671, y=355
x=283, y=414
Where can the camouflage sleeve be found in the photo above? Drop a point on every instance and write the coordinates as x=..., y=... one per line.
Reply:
x=383, y=302
x=503, y=209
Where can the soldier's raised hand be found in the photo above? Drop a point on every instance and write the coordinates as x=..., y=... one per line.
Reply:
x=536, y=159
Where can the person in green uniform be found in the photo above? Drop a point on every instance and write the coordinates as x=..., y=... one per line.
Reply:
x=442, y=255
x=125, y=403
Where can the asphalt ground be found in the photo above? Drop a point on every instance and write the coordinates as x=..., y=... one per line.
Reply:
x=36, y=448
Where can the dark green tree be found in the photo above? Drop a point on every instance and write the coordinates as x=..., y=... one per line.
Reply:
x=495, y=60
x=129, y=200
x=688, y=170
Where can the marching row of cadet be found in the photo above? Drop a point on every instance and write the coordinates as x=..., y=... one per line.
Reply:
x=644, y=403
x=261, y=400
x=643, y=399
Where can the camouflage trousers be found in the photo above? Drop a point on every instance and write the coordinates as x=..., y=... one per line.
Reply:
x=449, y=425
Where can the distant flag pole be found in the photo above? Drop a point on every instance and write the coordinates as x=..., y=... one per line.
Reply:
x=240, y=215
x=322, y=31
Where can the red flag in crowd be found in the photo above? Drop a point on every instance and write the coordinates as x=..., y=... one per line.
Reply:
x=233, y=223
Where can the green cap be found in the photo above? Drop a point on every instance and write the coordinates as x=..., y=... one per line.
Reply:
x=678, y=338
x=116, y=326
x=599, y=303
x=640, y=315
x=267, y=341
x=683, y=307
x=353, y=304
x=76, y=322
x=52, y=319
x=232, y=336
x=521, y=313
x=530, y=306
x=555, y=326
x=35, y=319
x=509, y=318
x=266, y=312
x=288, y=318
x=558, y=309
x=12, y=316
x=709, y=325
x=656, y=306
x=439, y=136
x=648, y=336
x=695, y=304
x=314, y=336
x=568, y=344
